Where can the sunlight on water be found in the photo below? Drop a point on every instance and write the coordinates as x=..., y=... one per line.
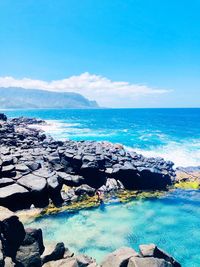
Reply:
x=171, y=222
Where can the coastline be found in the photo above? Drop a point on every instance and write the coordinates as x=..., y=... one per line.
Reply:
x=59, y=172
x=73, y=163
x=116, y=181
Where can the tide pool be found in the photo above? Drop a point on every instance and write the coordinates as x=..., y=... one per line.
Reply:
x=172, y=222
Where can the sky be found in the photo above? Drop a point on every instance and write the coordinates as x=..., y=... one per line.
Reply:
x=133, y=53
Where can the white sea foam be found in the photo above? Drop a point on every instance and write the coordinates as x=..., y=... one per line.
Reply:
x=56, y=128
x=182, y=154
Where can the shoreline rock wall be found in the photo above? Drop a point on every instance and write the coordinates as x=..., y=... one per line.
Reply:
x=34, y=167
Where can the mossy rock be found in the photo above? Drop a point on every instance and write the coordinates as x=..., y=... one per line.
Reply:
x=126, y=196
x=86, y=202
x=188, y=185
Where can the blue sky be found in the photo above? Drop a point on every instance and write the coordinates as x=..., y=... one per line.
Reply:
x=149, y=45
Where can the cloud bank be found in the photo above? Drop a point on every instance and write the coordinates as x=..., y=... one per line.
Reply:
x=106, y=92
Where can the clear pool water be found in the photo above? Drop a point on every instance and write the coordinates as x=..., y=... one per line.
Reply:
x=172, y=222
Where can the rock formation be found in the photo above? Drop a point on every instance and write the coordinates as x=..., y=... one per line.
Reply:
x=34, y=167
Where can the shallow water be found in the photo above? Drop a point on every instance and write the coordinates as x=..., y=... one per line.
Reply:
x=172, y=222
x=171, y=133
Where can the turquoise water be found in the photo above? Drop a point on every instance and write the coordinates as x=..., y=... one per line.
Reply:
x=171, y=222
x=171, y=133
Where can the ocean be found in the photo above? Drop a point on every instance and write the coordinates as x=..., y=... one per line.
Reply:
x=173, y=134
x=172, y=222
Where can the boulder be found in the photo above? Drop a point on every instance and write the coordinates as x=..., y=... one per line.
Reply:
x=54, y=185
x=151, y=250
x=28, y=256
x=69, y=196
x=55, y=254
x=111, y=185
x=70, y=180
x=94, y=176
x=127, y=175
x=53, y=158
x=140, y=178
x=30, y=250
x=119, y=258
x=154, y=179
x=14, y=197
x=37, y=186
x=148, y=262
x=12, y=232
x=32, y=236
x=33, y=165
x=85, y=189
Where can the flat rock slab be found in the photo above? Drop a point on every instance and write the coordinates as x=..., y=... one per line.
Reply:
x=33, y=182
x=5, y=182
x=37, y=186
x=11, y=190
x=14, y=197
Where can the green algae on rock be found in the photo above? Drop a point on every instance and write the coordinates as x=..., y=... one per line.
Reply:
x=86, y=202
x=195, y=185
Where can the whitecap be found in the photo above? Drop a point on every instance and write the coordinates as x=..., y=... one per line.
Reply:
x=182, y=154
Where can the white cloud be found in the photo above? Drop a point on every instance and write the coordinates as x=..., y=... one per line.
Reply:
x=105, y=91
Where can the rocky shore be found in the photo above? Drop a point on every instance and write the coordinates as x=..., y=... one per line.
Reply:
x=36, y=170
x=188, y=178
x=21, y=247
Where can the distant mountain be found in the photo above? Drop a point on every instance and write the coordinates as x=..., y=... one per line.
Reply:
x=15, y=97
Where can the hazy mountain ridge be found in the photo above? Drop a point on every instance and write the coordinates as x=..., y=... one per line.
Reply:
x=16, y=97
